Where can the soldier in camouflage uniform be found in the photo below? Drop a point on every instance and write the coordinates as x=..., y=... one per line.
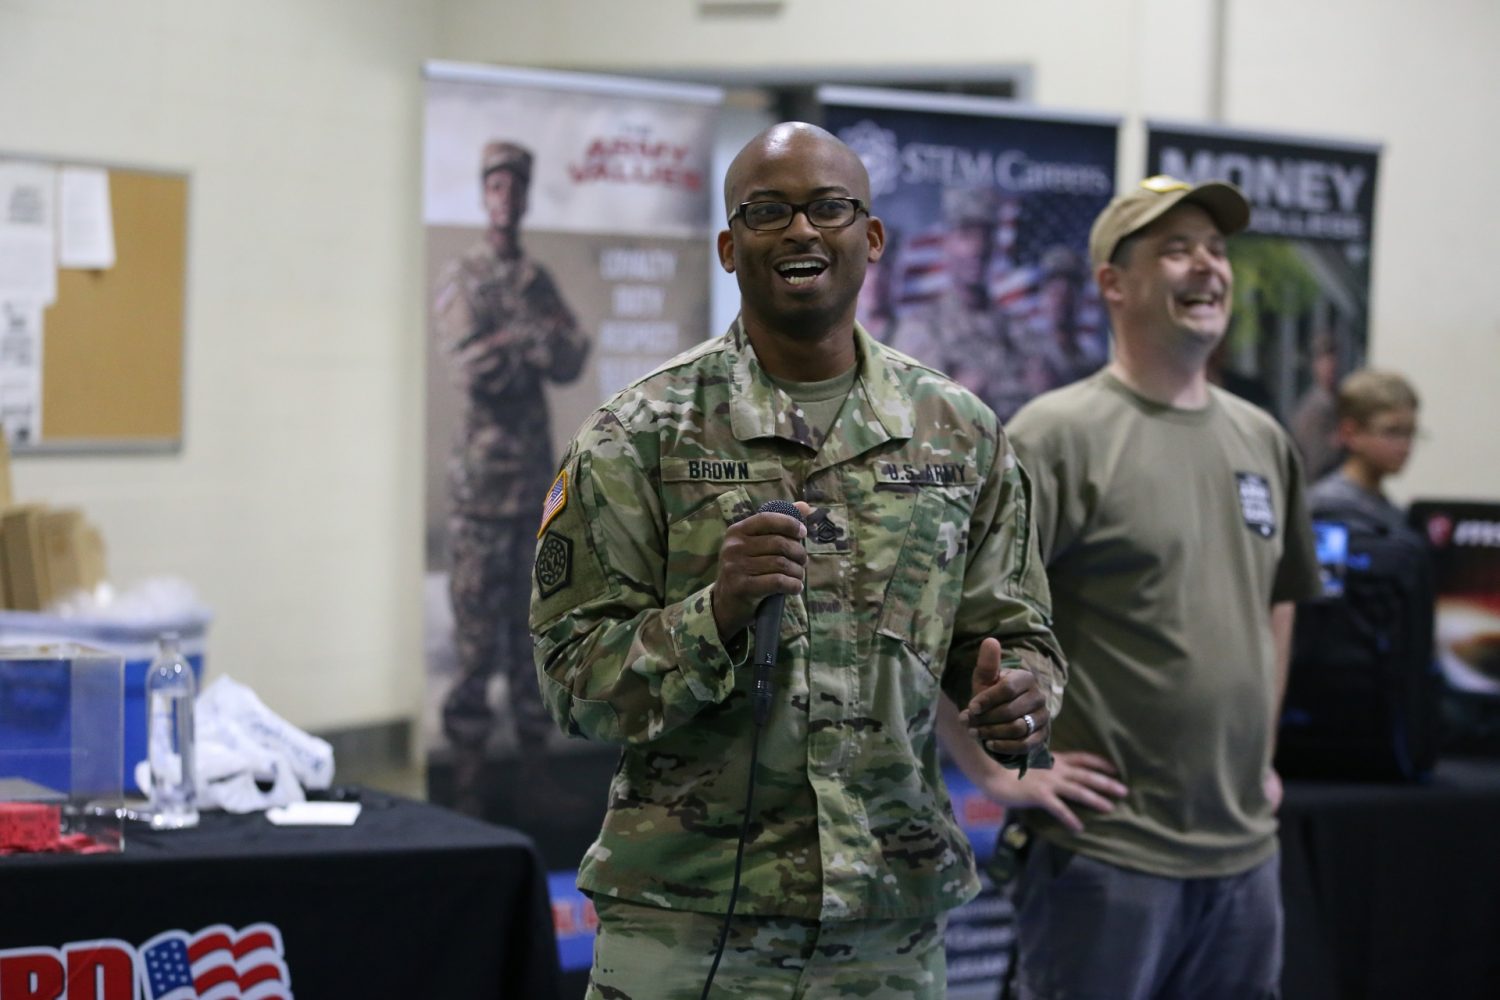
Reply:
x=1058, y=351
x=916, y=560
x=960, y=332
x=505, y=331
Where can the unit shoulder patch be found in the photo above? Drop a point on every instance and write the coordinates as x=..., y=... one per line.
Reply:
x=554, y=563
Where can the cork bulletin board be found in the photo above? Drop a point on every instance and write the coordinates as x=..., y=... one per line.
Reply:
x=112, y=361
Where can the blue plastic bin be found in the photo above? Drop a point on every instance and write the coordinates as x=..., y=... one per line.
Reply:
x=136, y=643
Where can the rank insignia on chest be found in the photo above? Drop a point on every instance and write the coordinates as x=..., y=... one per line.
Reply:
x=557, y=499
x=1255, y=503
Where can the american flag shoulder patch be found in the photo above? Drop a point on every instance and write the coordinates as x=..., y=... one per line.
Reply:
x=557, y=499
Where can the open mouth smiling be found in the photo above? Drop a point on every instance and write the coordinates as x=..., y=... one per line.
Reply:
x=1198, y=300
x=802, y=271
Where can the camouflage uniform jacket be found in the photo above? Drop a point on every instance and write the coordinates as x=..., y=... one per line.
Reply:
x=505, y=331
x=920, y=545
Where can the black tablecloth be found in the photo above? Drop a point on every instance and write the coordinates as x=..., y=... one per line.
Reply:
x=411, y=901
x=1393, y=891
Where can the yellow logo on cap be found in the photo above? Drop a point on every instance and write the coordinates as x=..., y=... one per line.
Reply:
x=1162, y=183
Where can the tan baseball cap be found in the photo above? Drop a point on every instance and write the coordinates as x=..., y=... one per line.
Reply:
x=505, y=156
x=1156, y=196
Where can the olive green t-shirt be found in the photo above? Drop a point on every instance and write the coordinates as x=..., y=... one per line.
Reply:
x=820, y=402
x=1168, y=534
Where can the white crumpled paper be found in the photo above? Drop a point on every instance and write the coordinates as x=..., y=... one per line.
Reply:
x=150, y=602
x=241, y=744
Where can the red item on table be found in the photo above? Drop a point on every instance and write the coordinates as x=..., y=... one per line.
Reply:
x=29, y=826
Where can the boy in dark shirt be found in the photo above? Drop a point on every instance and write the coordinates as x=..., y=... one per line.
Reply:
x=1377, y=422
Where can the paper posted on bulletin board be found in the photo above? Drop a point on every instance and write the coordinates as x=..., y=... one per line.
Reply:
x=92, y=263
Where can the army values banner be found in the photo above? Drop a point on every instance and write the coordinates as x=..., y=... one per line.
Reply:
x=1301, y=269
x=566, y=221
x=987, y=208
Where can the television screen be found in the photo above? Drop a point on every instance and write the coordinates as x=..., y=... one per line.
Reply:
x=1331, y=540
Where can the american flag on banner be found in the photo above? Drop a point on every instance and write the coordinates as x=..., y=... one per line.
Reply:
x=923, y=276
x=217, y=963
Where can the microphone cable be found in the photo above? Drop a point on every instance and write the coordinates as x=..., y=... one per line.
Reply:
x=767, y=629
x=739, y=858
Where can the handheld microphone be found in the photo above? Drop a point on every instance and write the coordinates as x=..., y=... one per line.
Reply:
x=768, y=631
x=767, y=634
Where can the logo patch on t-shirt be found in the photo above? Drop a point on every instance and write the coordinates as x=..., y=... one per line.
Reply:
x=1255, y=503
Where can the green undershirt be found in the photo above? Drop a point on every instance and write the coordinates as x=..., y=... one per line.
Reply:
x=820, y=402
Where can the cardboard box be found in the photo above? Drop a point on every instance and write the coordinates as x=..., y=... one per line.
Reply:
x=28, y=584
x=62, y=546
x=91, y=564
x=5, y=493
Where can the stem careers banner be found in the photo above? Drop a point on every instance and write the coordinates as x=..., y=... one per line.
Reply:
x=987, y=207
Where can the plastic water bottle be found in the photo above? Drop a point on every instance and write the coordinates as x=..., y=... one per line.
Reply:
x=170, y=689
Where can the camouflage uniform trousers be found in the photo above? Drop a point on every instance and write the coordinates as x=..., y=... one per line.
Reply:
x=646, y=953
x=490, y=589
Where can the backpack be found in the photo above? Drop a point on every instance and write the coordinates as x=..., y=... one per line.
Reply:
x=1362, y=697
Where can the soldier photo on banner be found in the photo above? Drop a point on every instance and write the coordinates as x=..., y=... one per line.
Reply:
x=564, y=224
x=505, y=332
x=987, y=216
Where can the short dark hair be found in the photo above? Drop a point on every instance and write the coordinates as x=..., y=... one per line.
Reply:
x=1124, y=248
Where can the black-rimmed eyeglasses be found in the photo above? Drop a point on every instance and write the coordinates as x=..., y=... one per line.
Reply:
x=825, y=213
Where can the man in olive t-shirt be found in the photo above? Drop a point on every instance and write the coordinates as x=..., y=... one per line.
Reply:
x=1172, y=520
